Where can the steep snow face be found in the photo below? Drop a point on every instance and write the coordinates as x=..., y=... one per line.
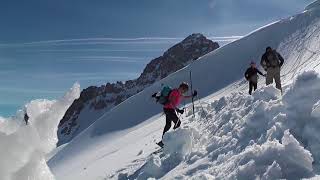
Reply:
x=314, y=5
x=258, y=136
x=23, y=148
x=95, y=101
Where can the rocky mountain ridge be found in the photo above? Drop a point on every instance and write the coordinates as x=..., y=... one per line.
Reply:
x=95, y=101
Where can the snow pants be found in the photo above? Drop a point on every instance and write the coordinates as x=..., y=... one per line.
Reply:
x=252, y=86
x=170, y=116
x=274, y=73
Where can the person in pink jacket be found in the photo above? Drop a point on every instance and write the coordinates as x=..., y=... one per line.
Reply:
x=171, y=107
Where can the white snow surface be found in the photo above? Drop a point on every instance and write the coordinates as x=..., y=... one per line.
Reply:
x=23, y=148
x=268, y=135
x=243, y=137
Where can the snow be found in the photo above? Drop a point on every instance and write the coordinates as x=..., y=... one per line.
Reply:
x=180, y=142
x=85, y=118
x=23, y=148
x=316, y=110
x=246, y=138
x=313, y=5
x=268, y=135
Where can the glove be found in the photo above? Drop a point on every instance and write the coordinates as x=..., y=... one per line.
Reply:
x=265, y=75
x=195, y=93
x=181, y=111
x=154, y=95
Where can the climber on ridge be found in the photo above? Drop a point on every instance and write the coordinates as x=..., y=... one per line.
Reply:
x=251, y=75
x=171, y=100
x=272, y=61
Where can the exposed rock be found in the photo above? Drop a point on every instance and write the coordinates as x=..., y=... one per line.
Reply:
x=107, y=96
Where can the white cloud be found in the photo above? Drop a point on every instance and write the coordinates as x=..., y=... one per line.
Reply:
x=106, y=41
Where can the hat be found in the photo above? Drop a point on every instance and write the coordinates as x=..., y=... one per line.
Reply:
x=184, y=85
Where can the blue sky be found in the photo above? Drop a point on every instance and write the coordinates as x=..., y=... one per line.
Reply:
x=35, y=20
x=47, y=45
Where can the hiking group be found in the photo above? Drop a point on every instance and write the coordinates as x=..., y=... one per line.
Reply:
x=271, y=62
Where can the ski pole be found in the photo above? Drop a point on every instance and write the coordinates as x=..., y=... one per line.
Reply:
x=192, y=94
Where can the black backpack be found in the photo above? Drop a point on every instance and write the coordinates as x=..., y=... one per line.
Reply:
x=273, y=59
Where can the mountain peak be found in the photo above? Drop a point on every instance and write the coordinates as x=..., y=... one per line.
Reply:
x=195, y=36
x=94, y=101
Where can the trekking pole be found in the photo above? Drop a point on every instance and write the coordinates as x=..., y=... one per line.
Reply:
x=192, y=94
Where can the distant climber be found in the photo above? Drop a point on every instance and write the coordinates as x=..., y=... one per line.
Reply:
x=171, y=107
x=251, y=75
x=26, y=117
x=272, y=61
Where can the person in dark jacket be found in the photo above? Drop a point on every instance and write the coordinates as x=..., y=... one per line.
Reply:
x=26, y=117
x=251, y=75
x=271, y=61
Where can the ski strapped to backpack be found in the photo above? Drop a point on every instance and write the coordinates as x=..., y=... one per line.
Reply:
x=162, y=97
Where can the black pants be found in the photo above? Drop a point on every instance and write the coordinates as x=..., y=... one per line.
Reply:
x=252, y=85
x=170, y=116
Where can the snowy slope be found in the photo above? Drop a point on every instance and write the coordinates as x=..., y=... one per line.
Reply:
x=95, y=101
x=236, y=136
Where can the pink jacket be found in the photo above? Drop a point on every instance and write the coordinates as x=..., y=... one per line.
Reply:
x=174, y=99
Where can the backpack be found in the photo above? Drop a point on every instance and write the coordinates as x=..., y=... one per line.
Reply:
x=273, y=59
x=163, y=96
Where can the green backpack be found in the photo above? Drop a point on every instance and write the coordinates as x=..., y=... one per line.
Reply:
x=163, y=97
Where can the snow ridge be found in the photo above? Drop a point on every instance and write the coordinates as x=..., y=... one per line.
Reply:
x=244, y=137
x=233, y=136
x=314, y=5
x=95, y=101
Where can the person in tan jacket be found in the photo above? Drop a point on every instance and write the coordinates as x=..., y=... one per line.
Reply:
x=272, y=61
